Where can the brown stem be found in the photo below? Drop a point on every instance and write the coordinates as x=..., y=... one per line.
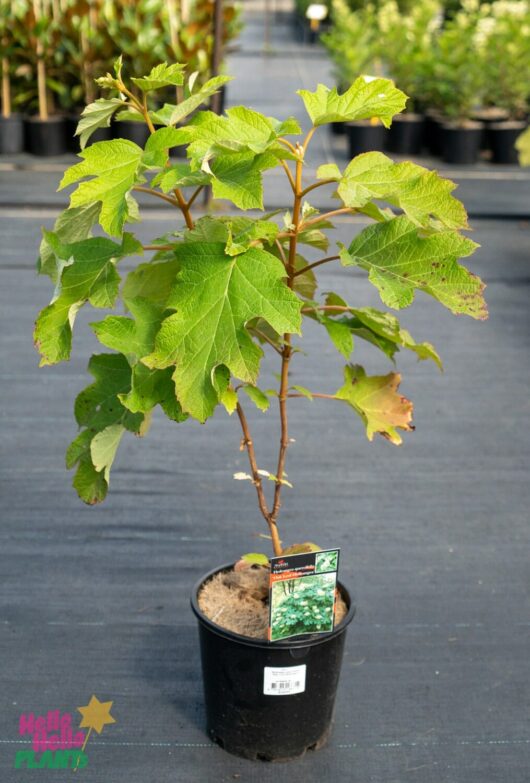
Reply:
x=157, y=193
x=288, y=145
x=184, y=207
x=287, y=349
x=317, y=263
x=319, y=396
x=158, y=247
x=317, y=185
x=194, y=195
x=249, y=445
x=282, y=252
x=41, y=68
x=327, y=308
x=289, y=175
x=327, y=215
x=265, y=338
x=6, y=89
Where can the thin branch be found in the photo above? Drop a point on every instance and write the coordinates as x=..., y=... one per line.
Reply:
x=288, y=145
x=194, y=195
x=145, y=112
x=281, y=251
x=318, y=396
x=328, y=308
x=266, y=339
x=289, y=175
x=249, y=445
x=152, y=192
x=181, y=202
x=317, y=263
x=317, y=185
x=327, y=215
x=308, y=138
x=158, y=247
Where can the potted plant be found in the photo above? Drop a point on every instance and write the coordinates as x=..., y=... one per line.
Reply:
x=45, y=131
x=352, y=44
x=504, y=36
x=216, y=294
x=406, y=41
x=457, y=86
x=11, y=125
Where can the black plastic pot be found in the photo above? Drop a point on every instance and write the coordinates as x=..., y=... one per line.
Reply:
x=405, y=136
x=11, y=134
x=365, y=137
x=131, y=130
x=101, y=134
x=502, y=136
x=45, y=137
x=462, y=143
x=245, y=720
x=433, y=134
x=338, y=128
x=488, y=117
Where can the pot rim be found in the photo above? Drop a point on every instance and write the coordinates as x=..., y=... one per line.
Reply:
x=264, y=643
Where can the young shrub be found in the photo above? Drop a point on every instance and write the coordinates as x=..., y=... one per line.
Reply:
x=219, y=291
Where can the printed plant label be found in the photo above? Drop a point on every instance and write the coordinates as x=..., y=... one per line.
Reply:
x=284, y=681
x=302, y=591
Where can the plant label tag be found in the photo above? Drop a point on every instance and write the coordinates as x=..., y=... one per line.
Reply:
x=302, y=593
x=284, y=681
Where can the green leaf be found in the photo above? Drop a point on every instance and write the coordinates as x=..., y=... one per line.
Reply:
x=300, y=549
x=99, y=411
x=377, y=401
x=238, y=178
x=255, y=558
x=115, y=167
x=133, y=337
x=399, y=260
x=89, y=275
x=103, y=448
x=215, y=297
x=364, y=100
x=420, y=193
x=171, y=114
x=387, y=325
x=72, y=225
x=238, y=233
x=158, y=145
x=305, y=284
x=180, y=175
x=258, y=397
x=228, y=398
x=153, y=281
x=150, y=388
x=162, y=75
x=96, y=115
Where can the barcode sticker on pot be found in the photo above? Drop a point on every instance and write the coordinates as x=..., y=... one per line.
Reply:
x=284, y=681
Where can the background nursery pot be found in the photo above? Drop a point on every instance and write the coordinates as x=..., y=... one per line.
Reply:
x=11, y=134
x=405, y=136
x=364, y=136
x=462, y=143
x=243, y=719
x=502, y=138
x=45, y=137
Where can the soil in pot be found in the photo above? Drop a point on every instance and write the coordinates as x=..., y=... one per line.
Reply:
x=11, y=134
x=131, y=130
x=266, y=701
x=364, y=136
x=502, y=136
x=239, y=601
x=462, y=142
x=405, y=136
x=45, y=137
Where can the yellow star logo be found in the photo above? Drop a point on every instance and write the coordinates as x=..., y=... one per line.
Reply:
x=96, y=714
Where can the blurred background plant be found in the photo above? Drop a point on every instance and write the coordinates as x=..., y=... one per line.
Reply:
x=52, y=50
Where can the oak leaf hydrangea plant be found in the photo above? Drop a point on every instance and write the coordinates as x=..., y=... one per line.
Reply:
x=203, y=303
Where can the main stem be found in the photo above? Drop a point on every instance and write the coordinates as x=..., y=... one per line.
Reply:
x=287, y=351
